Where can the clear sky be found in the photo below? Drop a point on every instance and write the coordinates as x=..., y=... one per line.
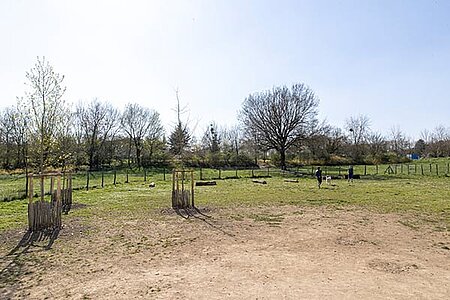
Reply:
x=389, y=60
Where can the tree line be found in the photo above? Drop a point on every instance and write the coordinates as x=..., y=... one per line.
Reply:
x=278, y=126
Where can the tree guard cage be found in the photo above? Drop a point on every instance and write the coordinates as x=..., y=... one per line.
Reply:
x=44, y=214
x=182, y=189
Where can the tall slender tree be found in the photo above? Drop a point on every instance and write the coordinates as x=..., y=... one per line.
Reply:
x=180, y=136
x=46, y=107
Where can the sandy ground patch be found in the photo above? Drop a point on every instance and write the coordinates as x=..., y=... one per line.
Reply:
x=241, y=253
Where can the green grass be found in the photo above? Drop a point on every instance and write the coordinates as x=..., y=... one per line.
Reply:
x=426, y=196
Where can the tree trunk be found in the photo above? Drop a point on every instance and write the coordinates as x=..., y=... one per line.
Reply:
x=283, y=159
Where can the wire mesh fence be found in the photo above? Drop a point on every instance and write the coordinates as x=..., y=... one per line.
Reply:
x=14, y=187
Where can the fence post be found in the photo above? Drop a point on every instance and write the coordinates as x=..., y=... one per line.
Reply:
x=437, y=169
x=377, y=169
x=201, y=173
x=26, y=183
x=220, y=173
x=401, y=169
x=395, y=169
x=415, y=169
x=421, y=168
x=365, y=170
x=430, y=170
x=235, y=169
x=127, y=177
x=408, y=168
x=87, y=180
x=312, y=170
x=103, y=179
x=115, y=176
x=164, y=174
x=253, y=175
x=145, y=175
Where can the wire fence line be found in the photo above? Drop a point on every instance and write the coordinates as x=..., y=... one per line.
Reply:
x=13, y=187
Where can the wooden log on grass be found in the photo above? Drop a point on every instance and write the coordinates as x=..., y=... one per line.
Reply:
x=259, y=181
x=205, y=183
x=291, y=180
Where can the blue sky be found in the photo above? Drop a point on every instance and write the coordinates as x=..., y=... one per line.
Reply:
x=389, y=60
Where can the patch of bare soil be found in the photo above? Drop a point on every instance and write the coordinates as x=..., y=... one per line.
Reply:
x=240, y=253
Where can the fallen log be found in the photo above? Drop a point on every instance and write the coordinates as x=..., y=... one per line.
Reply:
x=291, y=180
x=259, y=181
x=205, y=183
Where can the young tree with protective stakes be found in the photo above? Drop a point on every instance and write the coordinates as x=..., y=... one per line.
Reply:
x=180, y=137
x=46, y=108
x=281, y=116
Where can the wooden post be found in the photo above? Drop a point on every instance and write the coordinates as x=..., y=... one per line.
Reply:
x=395, y=169
x=421, y=168
x=51, y=188
x=58, y=203
x=448, y=168
x=437, y=169
x=26, y=183
x=220, y=173
x=164, y=173
x=192, y=188
x=377, y=169
x=42, y=186
x=115, y=177
x=103, y=179
x=430, y=170
x=401, y=169
x=415, y=169
x=145, y=175
x=235, y=169
x=408, y=168
x=127, y=177
x=87, y=180
x=339, y=170
x=365, y=170
x=201, y=174
x=253, y=174
x=173, y=189
x=30, y=202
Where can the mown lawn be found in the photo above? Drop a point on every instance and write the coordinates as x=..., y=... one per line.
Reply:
x=426, y=197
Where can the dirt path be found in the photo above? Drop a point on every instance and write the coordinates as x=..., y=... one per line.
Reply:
x=241, y=253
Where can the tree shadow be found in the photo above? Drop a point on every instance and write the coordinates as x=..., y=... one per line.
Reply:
x=16, y=263
x=196, y=213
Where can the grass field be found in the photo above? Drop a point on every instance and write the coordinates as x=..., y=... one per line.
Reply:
x=423, y=195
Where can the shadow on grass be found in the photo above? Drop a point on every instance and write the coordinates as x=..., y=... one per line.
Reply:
x=18, y=262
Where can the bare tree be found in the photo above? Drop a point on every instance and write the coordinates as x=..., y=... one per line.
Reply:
x=98, y=123
x=46, y=108
x=280, y=116
x=377, y=146
x=139, y=122
x=439, y=145
x=399, y=143
x=359, y=130
x=6, y=135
